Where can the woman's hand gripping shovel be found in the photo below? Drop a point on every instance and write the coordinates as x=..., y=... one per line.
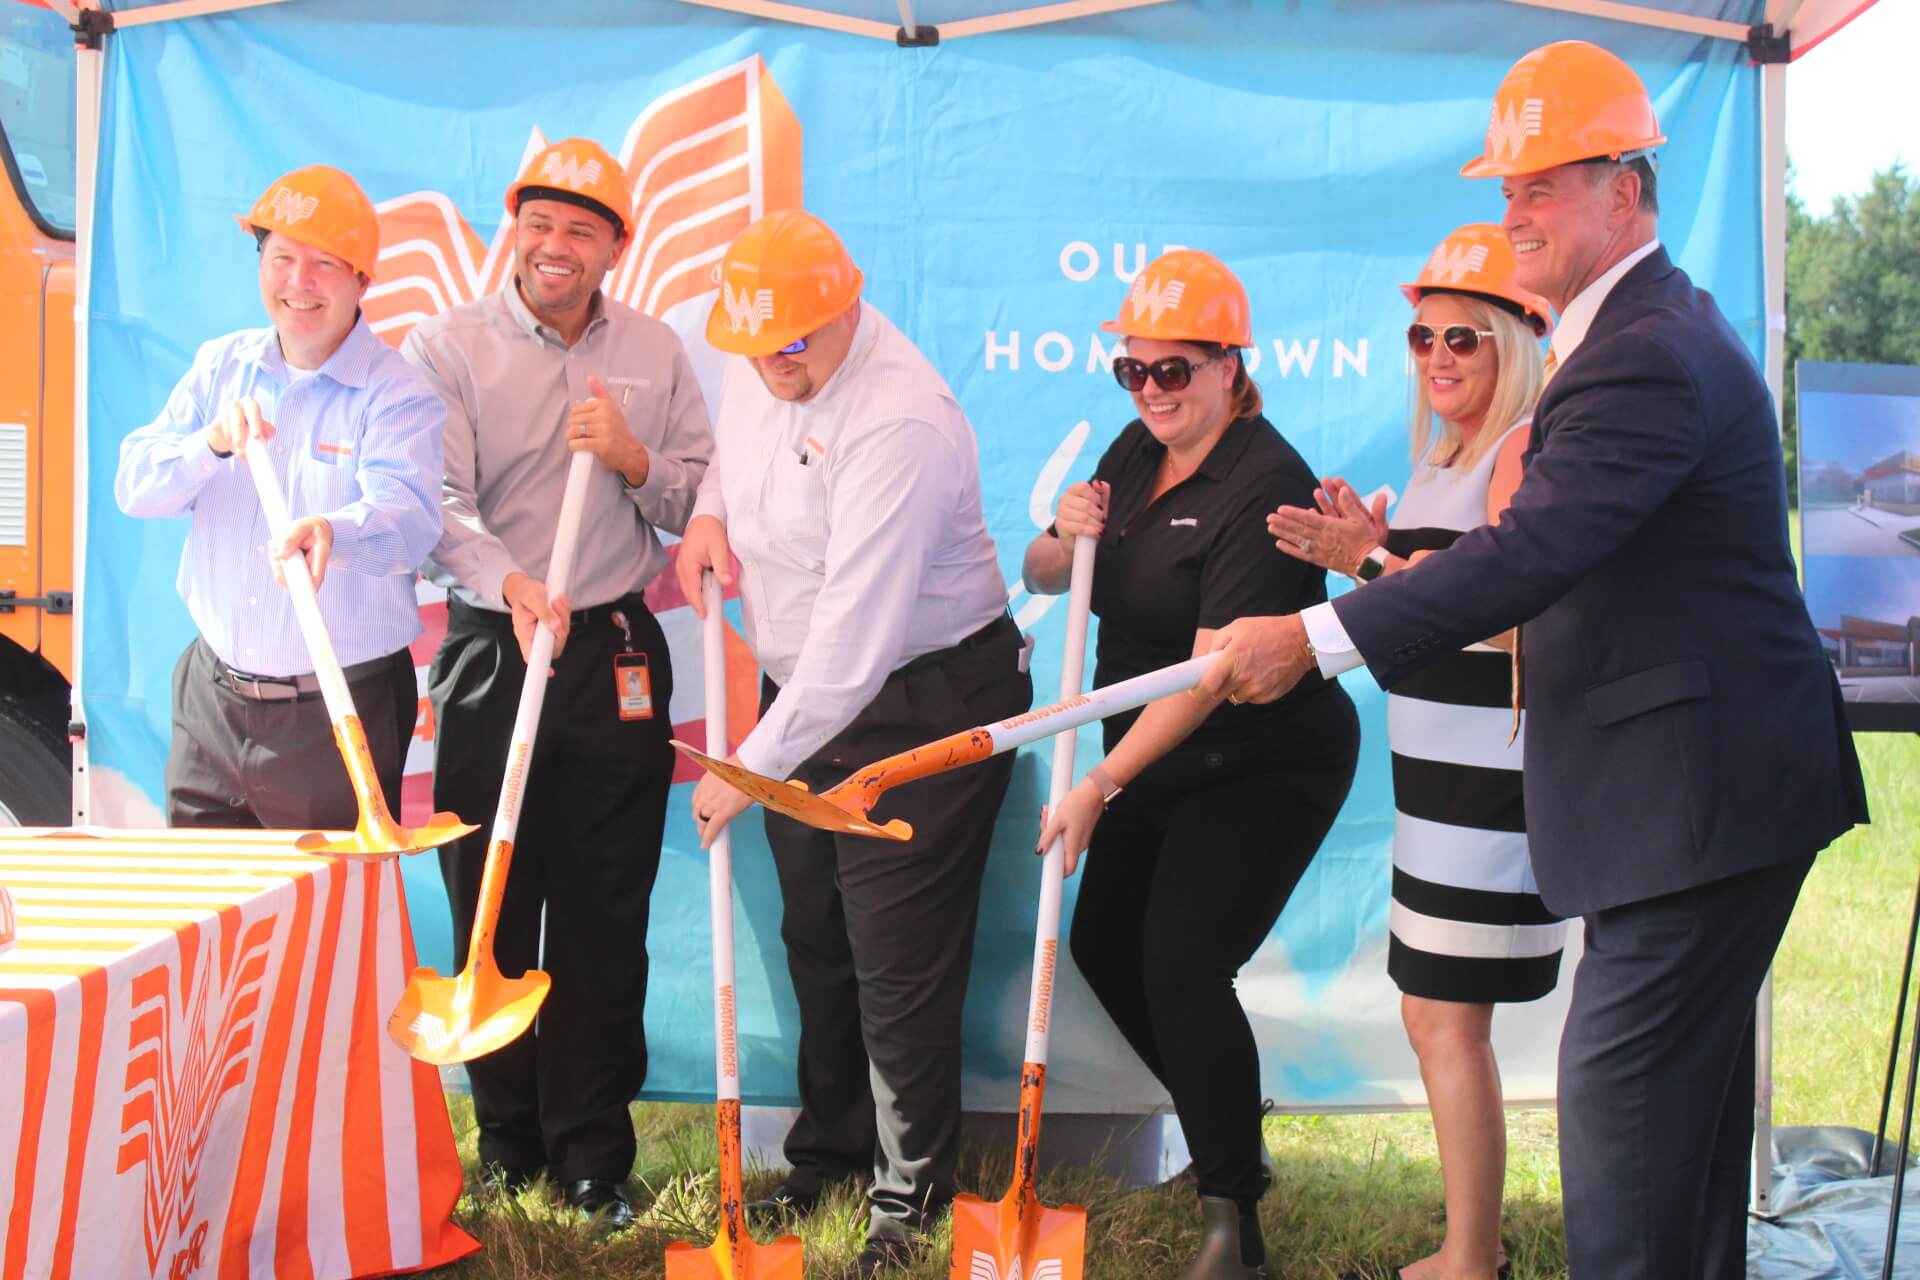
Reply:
x=1019, y=1238
x=733, y=1255
x=844, y=808
x=447, y=1020
x=375, y=834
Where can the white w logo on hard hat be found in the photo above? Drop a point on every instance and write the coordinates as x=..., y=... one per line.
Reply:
x=1150, y=297
x=564, y=171
x=1452, y=263
x=984, y=1267
x=1507, y=130
x=746, y=310
x=289, y=206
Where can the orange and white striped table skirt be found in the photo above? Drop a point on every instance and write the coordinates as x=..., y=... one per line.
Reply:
x=195, y=1075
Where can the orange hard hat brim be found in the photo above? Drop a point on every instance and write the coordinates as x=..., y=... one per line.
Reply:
x=721, y=337
x=253, y=228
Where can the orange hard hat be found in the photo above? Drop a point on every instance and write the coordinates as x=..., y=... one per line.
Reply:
x=1478, y=258
x=322, y=208
x=579, y=168
x=781, y=279
x=1564, y=102
x=1186, y=296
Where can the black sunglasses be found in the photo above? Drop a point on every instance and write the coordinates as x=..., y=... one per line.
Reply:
x=1170, y=373
x=1461, y=339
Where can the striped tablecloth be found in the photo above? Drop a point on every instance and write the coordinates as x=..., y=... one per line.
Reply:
x=195, y=1076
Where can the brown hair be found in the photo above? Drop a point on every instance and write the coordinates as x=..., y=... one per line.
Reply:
x=1245, y=392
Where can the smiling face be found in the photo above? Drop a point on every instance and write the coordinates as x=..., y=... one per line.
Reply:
x=563, y=252
x=312, y=298
x=1192, y=416
x=1458, y=387
x=1569, y=224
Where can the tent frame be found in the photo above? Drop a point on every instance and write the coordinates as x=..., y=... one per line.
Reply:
x=1768, y=45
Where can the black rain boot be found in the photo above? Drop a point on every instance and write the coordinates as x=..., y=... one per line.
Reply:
x=1229, y=1236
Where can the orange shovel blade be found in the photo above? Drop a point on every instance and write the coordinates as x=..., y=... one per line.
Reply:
x=1017, y=1238
x=780, y=1260
x=795, y=801
x=447, y=1020
x=367, y=842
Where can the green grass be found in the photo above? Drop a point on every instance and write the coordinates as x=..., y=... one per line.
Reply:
x=1350, y=1192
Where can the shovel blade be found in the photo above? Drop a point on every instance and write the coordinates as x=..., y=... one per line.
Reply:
x=369, y=845
x=780, y=1260
x=795, y=801
x=447, y=1020
x=1017, y=1238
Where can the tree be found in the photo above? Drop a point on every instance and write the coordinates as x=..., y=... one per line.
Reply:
x=1853, y=284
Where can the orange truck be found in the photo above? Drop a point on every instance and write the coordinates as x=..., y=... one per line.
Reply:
x=37, y=508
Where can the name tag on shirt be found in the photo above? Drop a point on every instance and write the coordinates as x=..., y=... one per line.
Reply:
x=632, y=686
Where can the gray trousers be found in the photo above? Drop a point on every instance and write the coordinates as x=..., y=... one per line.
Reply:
x=879, y=936
x=239, y=762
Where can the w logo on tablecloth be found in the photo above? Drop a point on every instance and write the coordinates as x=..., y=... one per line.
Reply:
x=704, y=160
x=181, y=1061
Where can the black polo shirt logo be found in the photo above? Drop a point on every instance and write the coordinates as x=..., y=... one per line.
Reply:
x=1191, y=522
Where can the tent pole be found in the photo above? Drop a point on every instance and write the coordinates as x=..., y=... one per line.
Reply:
x=86, y=118
x=1643, y=16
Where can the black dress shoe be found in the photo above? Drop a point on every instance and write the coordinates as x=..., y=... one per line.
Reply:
x=783, y=1204
x=883, y=1255
x=602, y=1200
x=498, y=1180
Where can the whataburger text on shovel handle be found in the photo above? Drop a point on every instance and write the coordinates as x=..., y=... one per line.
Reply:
x=376, y=834
x=844, y=808
x=448, y=1020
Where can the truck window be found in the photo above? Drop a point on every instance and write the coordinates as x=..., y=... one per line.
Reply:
x=36, y=113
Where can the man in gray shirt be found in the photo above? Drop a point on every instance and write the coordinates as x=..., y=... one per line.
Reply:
x=547, y=367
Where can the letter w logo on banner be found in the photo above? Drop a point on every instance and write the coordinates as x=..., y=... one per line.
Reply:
x=564, y=171
x=705, y=159
x=1508, y=130
x=1151, y=296
x=1452, y=263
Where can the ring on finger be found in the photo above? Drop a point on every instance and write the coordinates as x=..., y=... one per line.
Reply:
x=1306, y=545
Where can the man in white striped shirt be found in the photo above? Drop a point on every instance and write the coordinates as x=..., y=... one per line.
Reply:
x=356, y=434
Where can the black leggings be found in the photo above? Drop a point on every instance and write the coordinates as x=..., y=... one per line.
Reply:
x=1180, y=888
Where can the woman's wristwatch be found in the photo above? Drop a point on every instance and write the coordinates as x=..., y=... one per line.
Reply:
x=1373, y=566
x=1100, y=778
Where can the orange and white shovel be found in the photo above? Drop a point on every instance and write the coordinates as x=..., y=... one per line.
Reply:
x=844, y=808
x=447, y=1020
x=1019, y=1236
x=733, y=1255
x=375, y=834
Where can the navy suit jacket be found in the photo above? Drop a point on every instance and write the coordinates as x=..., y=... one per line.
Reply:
x=1683, y=724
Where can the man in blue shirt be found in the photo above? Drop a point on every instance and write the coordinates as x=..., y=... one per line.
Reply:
x=356, y=437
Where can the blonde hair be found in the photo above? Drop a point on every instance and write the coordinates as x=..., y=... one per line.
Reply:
x=1515, y=388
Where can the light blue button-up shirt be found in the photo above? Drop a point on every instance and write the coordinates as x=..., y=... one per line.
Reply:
x=357, y=441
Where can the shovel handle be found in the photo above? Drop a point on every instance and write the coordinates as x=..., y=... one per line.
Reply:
x=306, y=600
x=1046, y=934
x=726, y=1042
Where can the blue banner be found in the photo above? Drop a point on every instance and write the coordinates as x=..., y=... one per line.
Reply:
x=1000, y=192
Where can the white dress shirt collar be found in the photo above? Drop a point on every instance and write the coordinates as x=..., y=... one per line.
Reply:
x=1578, y=317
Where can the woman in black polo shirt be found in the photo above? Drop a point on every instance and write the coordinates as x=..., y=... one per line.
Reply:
x=1203, y=816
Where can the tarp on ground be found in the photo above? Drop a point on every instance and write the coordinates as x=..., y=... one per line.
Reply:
x=1000, y=193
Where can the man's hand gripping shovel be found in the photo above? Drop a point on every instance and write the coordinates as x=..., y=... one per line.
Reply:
x=375, y=834
x=447, y=1020
x=1018, y=1238
x=733, y=1255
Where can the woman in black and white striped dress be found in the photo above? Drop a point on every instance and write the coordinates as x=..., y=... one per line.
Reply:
x=1468, y=927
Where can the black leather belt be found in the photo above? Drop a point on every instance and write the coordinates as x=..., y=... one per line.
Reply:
x=502, y=620
x=287, y=688
x=1002, y=625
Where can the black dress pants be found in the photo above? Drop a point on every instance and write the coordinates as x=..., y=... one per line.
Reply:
x=588, y=848
x=236, y=761
x=1656, y=1079
x=879, y=936
x=1182, y=882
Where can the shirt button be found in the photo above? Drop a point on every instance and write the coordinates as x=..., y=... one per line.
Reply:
x=260, y=546
x=252, y=600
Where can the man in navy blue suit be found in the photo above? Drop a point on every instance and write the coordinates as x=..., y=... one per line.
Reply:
x=1686, y=754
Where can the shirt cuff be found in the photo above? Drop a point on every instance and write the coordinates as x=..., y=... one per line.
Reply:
x=763, y=757
x=652, y=484
x=707, y=504
x=1332, y=646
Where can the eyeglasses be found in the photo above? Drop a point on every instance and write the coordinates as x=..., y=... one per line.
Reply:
x=1170, y=373
x=1461, y=339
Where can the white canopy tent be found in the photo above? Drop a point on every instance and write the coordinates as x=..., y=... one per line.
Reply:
x=1773, y=32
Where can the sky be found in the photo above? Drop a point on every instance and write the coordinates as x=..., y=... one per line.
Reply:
x=1853, y=104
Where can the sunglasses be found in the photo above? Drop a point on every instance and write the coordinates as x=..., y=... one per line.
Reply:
x=795, y=347
x=1461, y=339
x=1170, y=373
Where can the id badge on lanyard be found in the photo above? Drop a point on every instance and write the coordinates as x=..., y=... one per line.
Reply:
x=632, y=679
